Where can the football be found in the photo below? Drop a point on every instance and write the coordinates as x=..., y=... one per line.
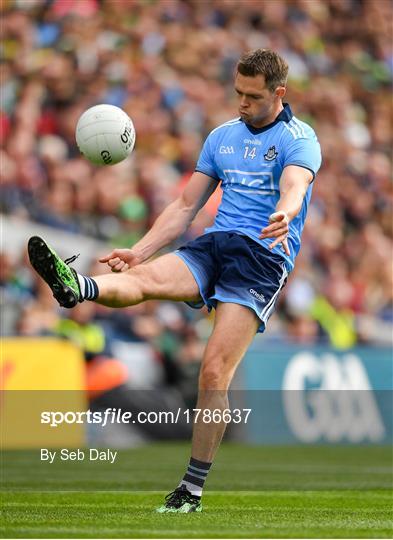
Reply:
x=105, y=134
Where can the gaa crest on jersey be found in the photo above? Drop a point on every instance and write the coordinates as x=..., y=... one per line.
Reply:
x=271, y=154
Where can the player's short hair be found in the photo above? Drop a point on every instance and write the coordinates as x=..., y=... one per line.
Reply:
x=267, y=63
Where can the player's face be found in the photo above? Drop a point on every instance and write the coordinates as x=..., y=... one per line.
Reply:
x=257, y=104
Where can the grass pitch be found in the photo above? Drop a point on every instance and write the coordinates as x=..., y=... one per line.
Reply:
x=252, y=492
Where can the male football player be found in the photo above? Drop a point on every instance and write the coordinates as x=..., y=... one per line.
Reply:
x=264, y=161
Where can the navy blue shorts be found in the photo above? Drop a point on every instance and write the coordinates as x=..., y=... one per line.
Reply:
x=230, y=267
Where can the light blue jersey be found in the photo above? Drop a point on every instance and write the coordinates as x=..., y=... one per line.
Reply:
x=249, y=163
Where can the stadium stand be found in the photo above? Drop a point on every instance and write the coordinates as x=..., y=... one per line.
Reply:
x=170, y=65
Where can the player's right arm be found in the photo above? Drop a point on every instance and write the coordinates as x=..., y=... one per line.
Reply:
x=170, y=224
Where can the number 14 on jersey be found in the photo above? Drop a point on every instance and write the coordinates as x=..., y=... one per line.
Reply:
x=249, y=153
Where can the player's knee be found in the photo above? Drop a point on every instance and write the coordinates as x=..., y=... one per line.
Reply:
x=209, y=378
x=214, y=374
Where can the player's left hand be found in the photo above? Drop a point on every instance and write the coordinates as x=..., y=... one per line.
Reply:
x=278, y=229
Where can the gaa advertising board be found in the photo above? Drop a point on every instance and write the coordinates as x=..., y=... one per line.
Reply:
x=317, y=395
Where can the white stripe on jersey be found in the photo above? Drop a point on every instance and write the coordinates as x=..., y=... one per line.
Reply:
x=229, y=123
x=295, y=127
x=291, y=130
x=264, y=315
x=300, y=127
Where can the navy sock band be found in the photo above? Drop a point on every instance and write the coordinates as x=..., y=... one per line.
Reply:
x=91, y=288
x=197, y=472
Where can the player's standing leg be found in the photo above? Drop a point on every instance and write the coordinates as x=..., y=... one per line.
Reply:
x=234, y=329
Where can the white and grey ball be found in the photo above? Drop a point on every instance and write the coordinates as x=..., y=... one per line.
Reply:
x=105, y=134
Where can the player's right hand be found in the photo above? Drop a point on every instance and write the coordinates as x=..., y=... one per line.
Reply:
x=120, y=260
x=278, y=228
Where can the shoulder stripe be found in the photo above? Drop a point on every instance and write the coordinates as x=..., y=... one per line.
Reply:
x=291, y=130
x=300, y=126
x=295, y=128
x=229, y=123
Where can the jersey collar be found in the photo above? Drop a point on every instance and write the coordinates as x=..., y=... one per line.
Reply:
x=284, y=116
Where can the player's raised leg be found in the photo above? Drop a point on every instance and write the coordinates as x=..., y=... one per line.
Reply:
x=166, y=277
x=235, y=327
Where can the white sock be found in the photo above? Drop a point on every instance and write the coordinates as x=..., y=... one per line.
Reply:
x=82, y=285
x=88, y=287
x=192, y=488
x=195, y=476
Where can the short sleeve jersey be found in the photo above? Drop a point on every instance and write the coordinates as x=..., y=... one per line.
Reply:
x=249, y=162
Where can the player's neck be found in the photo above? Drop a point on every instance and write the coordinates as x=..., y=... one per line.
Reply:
x=268, y=119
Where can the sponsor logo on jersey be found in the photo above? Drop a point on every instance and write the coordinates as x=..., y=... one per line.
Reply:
x=252, y=141
x=261, y=182
x=227, y=150
x=271, y=154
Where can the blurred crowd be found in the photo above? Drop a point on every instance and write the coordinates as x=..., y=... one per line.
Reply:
x=169, y=64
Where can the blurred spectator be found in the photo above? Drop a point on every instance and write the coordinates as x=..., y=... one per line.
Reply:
x=170, y=65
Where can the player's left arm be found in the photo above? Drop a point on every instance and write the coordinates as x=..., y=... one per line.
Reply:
x=294, y=183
